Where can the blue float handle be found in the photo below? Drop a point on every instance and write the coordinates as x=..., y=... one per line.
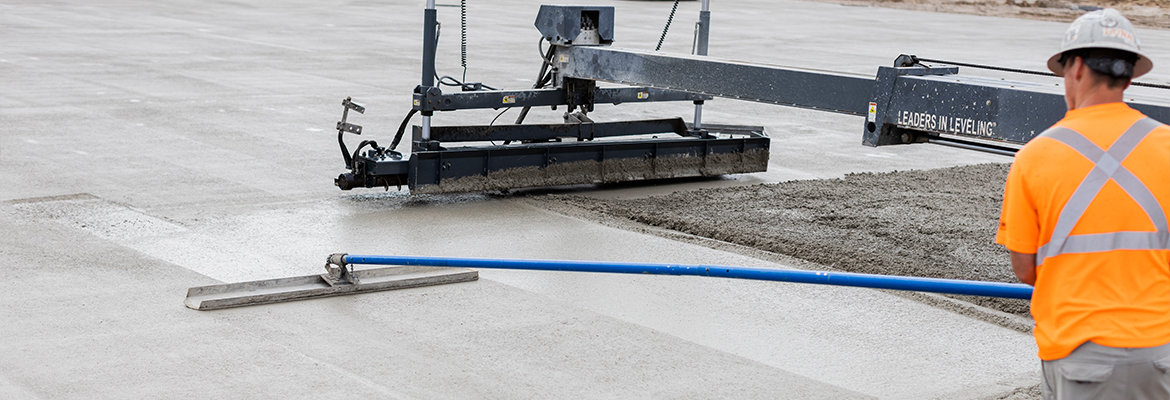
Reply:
x=936, y=285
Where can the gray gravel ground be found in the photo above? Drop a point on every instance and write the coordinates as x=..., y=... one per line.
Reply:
x=933, y=223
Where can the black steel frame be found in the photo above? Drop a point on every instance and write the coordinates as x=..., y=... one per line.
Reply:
x=646, y=149
x=901, y=104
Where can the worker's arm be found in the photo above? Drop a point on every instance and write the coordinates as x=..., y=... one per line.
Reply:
x=1024, y=265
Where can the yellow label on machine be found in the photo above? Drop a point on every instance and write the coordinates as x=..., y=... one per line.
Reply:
x=643, y=95
x=416, y=102
x=509, y=99
x=872, y=112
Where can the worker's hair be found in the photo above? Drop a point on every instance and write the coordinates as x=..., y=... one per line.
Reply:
x=1114, y=67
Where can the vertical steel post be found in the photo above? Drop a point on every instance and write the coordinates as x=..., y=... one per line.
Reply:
x=703, y=33
x=698, y=114
x=704, y=28
x=430, y=26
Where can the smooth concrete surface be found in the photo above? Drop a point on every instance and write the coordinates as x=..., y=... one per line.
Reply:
x=149, y=147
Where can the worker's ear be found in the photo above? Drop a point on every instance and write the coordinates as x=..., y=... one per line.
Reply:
x=1074, y=68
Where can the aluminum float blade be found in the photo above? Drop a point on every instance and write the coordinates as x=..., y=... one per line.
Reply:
x=279, y=290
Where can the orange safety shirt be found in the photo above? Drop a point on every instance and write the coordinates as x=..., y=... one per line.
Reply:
x=1090, y=198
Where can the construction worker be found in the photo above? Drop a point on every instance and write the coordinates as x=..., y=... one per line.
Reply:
x=1085, y=218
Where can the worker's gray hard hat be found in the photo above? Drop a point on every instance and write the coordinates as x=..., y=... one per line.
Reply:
x=1102, y=29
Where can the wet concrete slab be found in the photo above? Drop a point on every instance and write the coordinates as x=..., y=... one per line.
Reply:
x=151, y=147
x=813, y=335
x=100, y=320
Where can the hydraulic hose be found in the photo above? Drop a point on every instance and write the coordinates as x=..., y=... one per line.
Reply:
x=402, y=129
x=541, y=79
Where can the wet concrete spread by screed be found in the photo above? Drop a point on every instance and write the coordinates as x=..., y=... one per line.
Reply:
x=934, y=223
x=150, y=147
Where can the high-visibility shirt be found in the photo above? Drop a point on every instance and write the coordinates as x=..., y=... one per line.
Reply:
x=1090, y=198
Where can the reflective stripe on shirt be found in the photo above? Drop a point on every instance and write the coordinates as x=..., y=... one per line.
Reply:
x=1107, y=165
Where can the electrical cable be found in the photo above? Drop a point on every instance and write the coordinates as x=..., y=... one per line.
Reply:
x=498, y=116
x=447, y=80
x=463, y=37
x=669, y=19
x=494, y=122
x=989, y=67
x=1023, y=71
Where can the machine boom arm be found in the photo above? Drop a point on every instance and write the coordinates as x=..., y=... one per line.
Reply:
x=901, y=104
x=818, y=90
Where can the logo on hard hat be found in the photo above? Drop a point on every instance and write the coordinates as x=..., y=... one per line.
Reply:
x=1071, y=34
x=1109, y=22
x=1119, y=33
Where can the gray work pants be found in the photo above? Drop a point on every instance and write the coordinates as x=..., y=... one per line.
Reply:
x=1093, y=371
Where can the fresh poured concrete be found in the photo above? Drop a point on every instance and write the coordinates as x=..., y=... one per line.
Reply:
x=149, y=147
